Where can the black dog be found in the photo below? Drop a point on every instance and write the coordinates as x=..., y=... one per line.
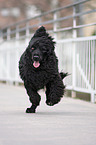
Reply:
x=38, y=67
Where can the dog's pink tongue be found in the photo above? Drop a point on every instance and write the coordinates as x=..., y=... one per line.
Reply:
x=36, y=64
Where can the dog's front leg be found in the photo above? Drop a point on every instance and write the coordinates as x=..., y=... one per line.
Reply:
x=34, y=98
x=54, y=91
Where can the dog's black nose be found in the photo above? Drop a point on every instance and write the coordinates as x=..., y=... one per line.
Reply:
x=36, y=57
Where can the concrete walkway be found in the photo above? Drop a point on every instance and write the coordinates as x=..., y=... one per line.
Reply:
x=71, y=122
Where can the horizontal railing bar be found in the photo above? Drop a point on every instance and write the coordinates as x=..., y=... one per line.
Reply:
x=84, y=13
x=45, y=13
x=85, y=90
x=67, y=17
x=58, y=41
x=53, y=21
x=57, y=20
x=58, y=30
x=85, y=25
x=22, y=37
x=77, y=39
x=77, y=27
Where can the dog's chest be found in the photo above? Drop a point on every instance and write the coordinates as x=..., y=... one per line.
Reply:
x=39, y=79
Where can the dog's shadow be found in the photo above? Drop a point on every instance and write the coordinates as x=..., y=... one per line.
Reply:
x=47, y=113
x=60, y=113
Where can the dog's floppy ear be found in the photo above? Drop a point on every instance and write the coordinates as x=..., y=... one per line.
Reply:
x=40, y=32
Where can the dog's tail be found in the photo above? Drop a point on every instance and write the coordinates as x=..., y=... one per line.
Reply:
x=63, y=75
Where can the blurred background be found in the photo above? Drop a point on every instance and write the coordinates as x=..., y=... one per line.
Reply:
x=12, y=11
x=72, y=23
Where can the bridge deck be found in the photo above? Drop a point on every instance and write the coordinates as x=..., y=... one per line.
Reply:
x=71, y=122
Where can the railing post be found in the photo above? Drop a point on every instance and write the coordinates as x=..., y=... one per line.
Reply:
x=8, y=67
x=16, y=67
x=55, y=25
x=17, y=55
x=8, y=33
x=17, y=32
x=74, y=53
x=92, y=97
x=27, y=32
x=1, y=36
x=27, y=29
x=40, y=20
x=8, y=60
x=74, y=22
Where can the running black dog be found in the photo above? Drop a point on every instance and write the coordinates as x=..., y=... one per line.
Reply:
x=38, y=67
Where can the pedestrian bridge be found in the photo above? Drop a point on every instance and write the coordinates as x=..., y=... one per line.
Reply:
x=72, y=121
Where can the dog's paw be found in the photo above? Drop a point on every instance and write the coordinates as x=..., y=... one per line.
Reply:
x=30, y=110
x=53, y=102
x=49, y=103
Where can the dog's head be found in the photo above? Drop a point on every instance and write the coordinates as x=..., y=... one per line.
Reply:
x=40, y=46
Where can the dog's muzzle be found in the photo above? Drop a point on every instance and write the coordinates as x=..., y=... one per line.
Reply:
x=36, y=59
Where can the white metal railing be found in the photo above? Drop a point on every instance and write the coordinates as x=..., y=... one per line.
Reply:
x=83, y=58
x=76, y=55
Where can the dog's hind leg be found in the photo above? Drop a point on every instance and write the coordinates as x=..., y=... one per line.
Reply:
x=34, y=98
x=54, y=91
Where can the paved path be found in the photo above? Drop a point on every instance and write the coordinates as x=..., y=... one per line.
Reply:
x=71, y=122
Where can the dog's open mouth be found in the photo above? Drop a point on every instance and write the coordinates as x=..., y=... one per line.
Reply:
x=36, y=64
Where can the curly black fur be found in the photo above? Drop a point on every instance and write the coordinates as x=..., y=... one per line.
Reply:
x=38, y=67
